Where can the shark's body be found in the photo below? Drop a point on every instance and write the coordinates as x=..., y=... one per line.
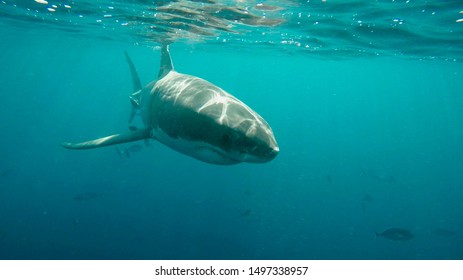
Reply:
x=194, y=117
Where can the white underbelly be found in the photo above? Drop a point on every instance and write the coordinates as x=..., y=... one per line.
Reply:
x=196, y=149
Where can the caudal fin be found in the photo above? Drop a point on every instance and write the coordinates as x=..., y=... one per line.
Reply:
x=133, y=71
x=135, y=97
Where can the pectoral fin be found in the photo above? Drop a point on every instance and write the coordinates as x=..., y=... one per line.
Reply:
x=109, y=140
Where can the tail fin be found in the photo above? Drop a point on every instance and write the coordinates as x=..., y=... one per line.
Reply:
x=135, y=97
x=135, y=79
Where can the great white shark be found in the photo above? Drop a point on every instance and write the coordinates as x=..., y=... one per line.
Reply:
x=194, y=117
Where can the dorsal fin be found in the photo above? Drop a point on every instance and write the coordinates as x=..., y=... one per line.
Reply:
x=166, y=62
x=135, y=79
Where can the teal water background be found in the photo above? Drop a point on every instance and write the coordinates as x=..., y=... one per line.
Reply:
x=368, y=141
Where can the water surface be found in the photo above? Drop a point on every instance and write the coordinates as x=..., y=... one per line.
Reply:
x=364, y=98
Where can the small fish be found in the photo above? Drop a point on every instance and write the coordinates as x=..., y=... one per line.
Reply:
x=328, y=178
x=396, y=234
x=366, y=200
x=133, y=128
x=87, y=196
x=246, y=213
x=444, y=232
x=135, y=148
x=122, y=152
x=378, y=176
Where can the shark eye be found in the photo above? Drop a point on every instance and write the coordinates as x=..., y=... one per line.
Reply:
x=226, y=139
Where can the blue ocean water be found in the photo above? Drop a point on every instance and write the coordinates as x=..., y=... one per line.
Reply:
x=364, y=98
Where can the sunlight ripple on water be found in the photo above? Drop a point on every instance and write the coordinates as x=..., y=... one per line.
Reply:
x=339, y=29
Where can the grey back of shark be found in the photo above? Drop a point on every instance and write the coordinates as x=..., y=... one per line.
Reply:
x=194, y=117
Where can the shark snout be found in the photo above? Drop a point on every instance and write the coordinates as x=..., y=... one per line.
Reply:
x=265, y=154
x=273, y=153
x=270, y=153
